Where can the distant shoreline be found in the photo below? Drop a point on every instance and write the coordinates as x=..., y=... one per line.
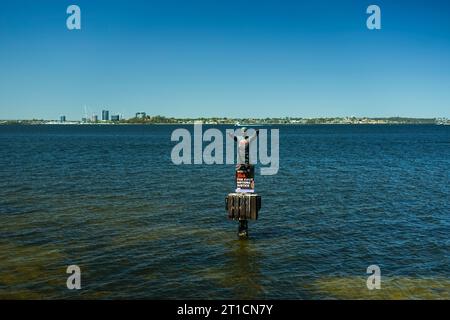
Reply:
x=68, y=123
x=159, y=120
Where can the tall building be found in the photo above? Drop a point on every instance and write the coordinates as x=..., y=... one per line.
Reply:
x=140, y=115
x=62, y=119
x=94, y=118
x=115, y=117
x=105, y=115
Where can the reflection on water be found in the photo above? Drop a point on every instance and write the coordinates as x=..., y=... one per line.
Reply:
x=108, y=199
x=244, y=270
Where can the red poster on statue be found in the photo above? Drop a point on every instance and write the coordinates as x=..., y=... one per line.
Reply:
x=245, y=178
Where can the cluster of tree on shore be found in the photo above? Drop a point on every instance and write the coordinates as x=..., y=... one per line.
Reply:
x=286, y=120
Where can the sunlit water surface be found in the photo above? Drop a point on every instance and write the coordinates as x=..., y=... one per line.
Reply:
x=109, y=199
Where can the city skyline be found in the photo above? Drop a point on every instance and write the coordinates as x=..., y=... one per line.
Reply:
x=254, y=59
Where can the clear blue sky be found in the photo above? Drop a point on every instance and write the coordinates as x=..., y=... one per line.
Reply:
x=233, y=58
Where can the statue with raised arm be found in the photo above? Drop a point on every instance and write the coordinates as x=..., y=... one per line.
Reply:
x=244, y=141
x=245, y=183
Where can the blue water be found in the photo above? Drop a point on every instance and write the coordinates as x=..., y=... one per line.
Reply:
x=109, y=199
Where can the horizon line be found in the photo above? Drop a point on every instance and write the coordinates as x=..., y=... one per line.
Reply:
x=239, y=118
